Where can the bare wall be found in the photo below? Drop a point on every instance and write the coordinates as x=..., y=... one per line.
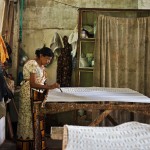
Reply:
x=42, y=18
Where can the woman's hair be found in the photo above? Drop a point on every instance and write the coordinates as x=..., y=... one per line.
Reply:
x=45, y=51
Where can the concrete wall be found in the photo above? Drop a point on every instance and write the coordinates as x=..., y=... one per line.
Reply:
x=42, y=18
x=143, y=4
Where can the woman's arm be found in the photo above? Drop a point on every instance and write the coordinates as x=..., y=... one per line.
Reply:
x=33, y=84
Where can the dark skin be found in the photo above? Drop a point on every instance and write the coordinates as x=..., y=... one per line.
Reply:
x=42, y=61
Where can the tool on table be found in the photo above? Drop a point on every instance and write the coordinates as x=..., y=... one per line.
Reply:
x=61, y=90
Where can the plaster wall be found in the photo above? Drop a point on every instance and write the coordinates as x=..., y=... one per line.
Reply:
x=42, y=18
x=143, y=4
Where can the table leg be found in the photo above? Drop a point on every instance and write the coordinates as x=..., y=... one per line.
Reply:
x=37, y=132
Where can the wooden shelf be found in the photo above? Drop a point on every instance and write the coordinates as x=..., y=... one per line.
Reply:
x=87, y=39
x=86, y=48
x=86, y=68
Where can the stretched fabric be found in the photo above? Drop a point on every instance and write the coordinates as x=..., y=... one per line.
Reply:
x=127, y=136
x=96, y=94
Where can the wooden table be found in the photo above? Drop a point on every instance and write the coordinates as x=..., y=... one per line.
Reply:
x=89, y=98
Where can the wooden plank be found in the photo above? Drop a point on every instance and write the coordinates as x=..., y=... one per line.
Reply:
x=100, y=118
x=57, y=133
x=63, y=107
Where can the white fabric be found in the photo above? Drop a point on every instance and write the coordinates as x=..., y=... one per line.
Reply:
x=57, y=44
x=90, y=94
x=127, y=136
x=2, y=130
x=73, y=38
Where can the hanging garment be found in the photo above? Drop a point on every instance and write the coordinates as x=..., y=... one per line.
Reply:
x=2, y=93
x=9, y=51
x=3, y=51
x=64, y=68
x=5, y=92
x=73, y=38
x=56, y=44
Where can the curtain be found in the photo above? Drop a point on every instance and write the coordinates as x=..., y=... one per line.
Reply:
x=122, y=54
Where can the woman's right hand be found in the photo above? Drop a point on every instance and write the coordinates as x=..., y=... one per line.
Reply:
x=53, y=86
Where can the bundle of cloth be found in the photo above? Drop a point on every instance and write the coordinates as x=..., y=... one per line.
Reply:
x=5, y=92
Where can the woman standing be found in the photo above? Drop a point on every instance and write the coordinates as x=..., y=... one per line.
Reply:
x=34, y=76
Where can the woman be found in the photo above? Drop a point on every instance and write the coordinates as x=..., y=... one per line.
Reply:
x=34, y=76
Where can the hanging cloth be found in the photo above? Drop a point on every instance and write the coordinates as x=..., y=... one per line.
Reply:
x=64, y=68
x=56, y=44
x=5, y=91
x=3, y=51
x=73, y=38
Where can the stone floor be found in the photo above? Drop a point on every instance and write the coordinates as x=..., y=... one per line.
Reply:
x=54, y=144
x=51, y=145
x=8, y=145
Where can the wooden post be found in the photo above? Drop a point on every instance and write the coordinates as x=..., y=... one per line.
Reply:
x=37, y=132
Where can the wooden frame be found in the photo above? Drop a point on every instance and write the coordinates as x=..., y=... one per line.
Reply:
x=51, y=108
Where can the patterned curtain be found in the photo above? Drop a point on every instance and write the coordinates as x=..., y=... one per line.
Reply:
x=122, y=54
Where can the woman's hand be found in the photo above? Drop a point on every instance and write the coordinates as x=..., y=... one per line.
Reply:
x=53, y=86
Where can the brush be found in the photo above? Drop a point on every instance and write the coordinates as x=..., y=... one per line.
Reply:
x=60, y=90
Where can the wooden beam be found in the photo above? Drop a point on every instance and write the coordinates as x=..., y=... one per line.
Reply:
x=63, y=107
x=56, y=133
x=100, y=118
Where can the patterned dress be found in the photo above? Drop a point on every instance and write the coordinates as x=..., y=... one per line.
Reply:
x=64, y=68
x=25, y=125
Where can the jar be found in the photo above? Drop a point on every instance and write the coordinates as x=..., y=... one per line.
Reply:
x=83, y=34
